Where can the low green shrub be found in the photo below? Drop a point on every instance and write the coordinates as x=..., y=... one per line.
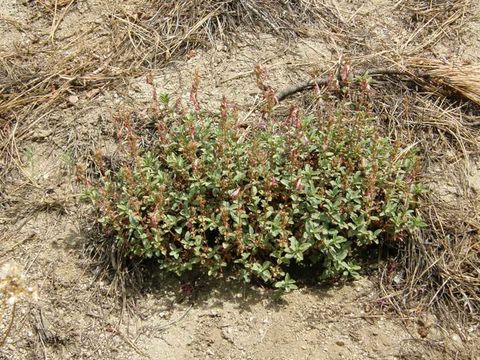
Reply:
x=208, y=193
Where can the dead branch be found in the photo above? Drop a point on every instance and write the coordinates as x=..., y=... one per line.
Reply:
x=323, y=81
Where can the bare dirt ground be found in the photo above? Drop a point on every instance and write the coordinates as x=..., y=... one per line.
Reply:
x=45, y=229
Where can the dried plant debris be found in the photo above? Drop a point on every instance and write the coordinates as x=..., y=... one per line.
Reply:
x=464, y=79
x=432, y=20
x=438, y=126
x=439, y=268
x=426, y=11
x=161, y=30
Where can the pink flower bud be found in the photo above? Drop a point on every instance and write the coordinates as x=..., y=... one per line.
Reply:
x=298, y=184
x=234, y=194
x=345, y=72
x=273, y=181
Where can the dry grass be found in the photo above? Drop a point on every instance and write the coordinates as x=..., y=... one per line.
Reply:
x=438, y=268
x=432, y=20
x=436, y=10
x=464, y=79
x=38, y=78
x=54, y=4
x=164, y=29
x=160, y=31
x=442, y=130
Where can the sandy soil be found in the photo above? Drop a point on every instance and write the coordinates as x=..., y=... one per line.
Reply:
x=77, y=315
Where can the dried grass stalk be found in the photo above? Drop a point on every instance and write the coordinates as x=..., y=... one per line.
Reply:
x=167, y=28
x=440, y=130
x=52, y=6
x=432, y=20
x=439, y=10
x=463, y=79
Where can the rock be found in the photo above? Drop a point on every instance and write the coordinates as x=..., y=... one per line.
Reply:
x=72, y=99
x=457, y=339
x=227, y=334
x=41, y=134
